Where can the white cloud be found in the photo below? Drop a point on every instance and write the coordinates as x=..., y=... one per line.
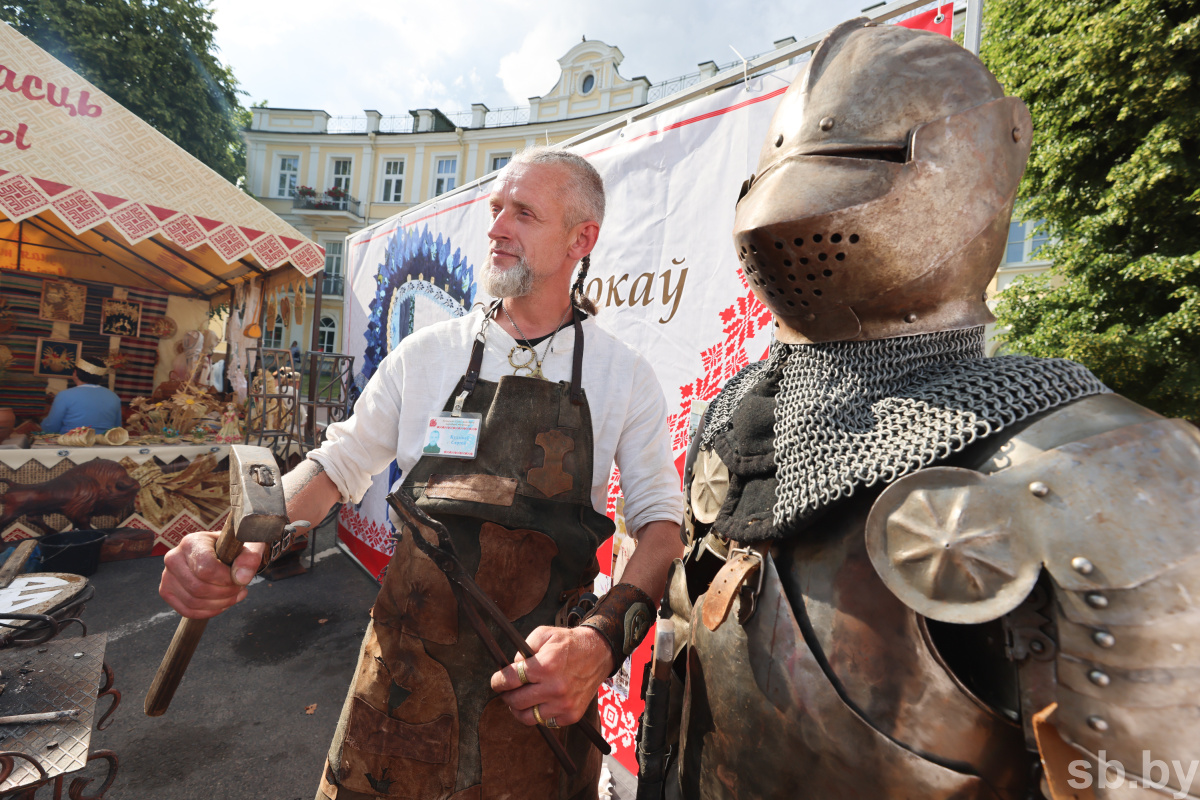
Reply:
x=354, y=54
x=532, y=69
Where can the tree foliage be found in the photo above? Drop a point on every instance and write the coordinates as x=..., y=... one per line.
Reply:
x=155, y=57
x=1114, y=89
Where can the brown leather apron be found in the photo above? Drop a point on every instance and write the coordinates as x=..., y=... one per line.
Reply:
x=421, y=720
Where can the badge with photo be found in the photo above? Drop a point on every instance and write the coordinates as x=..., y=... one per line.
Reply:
x=120, y=318
x=55, y=358
x=63, y=301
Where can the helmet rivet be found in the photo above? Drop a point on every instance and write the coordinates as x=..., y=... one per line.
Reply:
x=1039, y=489
x=1096, y=600
x=1099, y=678
x=1016, y=134
x=910, y=318
x=1098, y=724
x=1082, y=565
x=779, y=141
x=1104, y=639
x=810, y=317
x=826, y=124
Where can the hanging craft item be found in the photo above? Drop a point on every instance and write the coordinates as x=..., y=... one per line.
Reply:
x=300, y=292
x=285, y=307
x=272, y=311
x=160, y=327
x=253, y=330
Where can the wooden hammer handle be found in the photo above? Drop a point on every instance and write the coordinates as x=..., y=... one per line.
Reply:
x=187, y=637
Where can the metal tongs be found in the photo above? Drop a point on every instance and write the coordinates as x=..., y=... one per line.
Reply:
x=445, y=557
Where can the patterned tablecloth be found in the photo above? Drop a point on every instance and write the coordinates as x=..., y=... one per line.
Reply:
x=171, y=490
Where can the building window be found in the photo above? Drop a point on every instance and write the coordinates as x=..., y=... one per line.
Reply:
x=287, y=176
x=589, y=83
x=1023, y=243
x=341, y=174
x=326, y=334
x=273, y=337
x=393, y=181
x=500, y=161
x=444, y=175
x=333, y=268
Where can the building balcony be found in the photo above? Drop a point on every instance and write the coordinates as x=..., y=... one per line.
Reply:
x=323, y=205
x=331, y=286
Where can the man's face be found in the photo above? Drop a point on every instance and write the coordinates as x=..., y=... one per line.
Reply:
x=529, y=239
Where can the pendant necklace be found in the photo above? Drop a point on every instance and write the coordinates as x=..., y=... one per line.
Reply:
x=524, y=356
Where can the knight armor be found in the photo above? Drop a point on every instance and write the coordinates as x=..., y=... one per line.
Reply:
x=913, y=571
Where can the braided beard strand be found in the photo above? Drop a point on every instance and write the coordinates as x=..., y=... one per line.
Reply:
x=857, y=414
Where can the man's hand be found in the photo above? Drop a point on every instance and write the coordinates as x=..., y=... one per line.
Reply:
x=567, y=667
x=195, y=582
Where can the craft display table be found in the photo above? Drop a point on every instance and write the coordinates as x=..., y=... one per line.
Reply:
x=169, y=490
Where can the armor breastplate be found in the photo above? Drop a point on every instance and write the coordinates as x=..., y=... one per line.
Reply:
x=833, y=687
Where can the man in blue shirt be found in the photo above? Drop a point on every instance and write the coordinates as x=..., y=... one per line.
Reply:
x=89, y=403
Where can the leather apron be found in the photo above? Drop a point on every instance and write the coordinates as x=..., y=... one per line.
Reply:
x=421, y=720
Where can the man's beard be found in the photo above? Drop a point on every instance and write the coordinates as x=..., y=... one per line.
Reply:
x=515, y=281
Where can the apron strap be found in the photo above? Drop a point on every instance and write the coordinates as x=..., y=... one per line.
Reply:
x=577, y=361
x=476, y=363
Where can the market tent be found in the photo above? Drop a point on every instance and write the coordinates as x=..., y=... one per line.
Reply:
x=104, y=193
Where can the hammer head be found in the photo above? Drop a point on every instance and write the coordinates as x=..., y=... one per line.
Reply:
x=259, y=508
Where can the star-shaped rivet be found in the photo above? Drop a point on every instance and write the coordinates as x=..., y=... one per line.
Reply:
x=710, y=485
x=943, y=553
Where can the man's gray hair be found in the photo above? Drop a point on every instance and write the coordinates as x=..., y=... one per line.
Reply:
x=585, y=187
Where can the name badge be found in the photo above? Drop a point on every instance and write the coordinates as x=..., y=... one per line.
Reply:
x=448, y=436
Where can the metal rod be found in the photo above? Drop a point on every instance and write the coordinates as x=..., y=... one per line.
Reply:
x=184, y=258
x=44, y=246
x=93, y=252
x=252, y=266
x=973, y=29
x=46, y=716
x=196, y=291
x=20, y=236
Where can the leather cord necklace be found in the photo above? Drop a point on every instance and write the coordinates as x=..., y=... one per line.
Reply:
x=532, y=363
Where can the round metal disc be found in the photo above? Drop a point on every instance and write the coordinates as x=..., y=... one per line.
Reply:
x=949, y=547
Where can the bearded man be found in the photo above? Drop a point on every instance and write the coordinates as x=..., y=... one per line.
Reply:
x=427, y=716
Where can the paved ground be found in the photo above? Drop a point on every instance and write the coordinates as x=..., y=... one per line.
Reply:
x=237, y=728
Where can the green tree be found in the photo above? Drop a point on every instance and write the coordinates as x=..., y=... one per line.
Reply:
x=155, y=57
x=1114, y=89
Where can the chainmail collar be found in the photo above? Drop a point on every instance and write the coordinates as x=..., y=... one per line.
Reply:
x=861, y=414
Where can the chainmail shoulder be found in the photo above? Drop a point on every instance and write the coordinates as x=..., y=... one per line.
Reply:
x=720, y=411
x=861, y=414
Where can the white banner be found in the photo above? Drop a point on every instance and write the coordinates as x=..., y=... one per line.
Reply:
x=664, y=275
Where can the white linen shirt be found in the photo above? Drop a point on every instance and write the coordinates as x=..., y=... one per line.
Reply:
x=414, y=381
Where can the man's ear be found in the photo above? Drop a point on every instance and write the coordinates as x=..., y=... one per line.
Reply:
x=584, y=237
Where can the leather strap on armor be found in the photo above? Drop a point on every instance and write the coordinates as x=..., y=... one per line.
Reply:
x=728, y=583
x=623, y=617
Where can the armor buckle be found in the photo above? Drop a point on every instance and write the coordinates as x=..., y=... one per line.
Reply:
x=749, y=552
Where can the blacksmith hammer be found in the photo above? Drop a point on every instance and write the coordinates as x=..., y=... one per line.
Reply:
x=258, y=513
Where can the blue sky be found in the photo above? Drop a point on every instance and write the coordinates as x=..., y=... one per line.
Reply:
x=347, y=55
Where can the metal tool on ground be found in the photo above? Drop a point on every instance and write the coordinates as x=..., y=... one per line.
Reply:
x=443, y=555
x=45, y=716
x=258, y=513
